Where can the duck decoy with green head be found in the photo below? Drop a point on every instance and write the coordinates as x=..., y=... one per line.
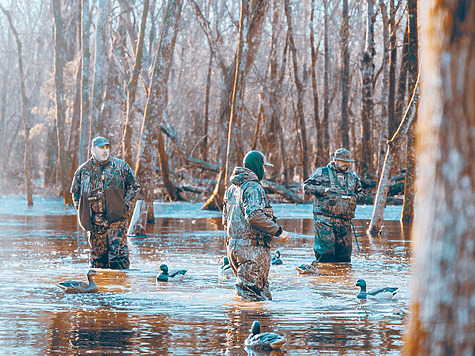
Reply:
x=80, y=287
x=263, y=341
x=379, y=293
x=225, y=269
x=276, y=260
x=166, y=276
x=308, y=268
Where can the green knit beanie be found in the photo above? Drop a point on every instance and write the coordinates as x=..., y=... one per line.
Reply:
x=255, y=162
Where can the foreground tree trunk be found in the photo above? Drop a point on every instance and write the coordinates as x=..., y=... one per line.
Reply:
x=442, y=308
x=393, y=147
x=151, y=138
x=25, y=115
x=60, y=105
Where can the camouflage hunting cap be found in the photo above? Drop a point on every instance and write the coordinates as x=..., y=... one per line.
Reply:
x=342, y=154
x=100, y=141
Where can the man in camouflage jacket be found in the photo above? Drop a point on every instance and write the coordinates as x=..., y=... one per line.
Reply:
x=103, y=190
x=250, y=225
x=336, y=189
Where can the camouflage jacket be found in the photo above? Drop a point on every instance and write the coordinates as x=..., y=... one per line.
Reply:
x=247, y=213
x=112, y=180
x=344, y=191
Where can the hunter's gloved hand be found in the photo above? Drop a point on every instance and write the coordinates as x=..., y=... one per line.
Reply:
x=284, y=236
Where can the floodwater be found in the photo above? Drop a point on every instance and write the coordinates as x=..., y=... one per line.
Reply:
x=318, y=314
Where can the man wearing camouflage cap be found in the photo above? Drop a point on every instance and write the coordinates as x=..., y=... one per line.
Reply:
x=103, y=190
x=336, y=189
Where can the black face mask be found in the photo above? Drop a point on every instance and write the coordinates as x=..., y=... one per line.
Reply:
x=255, y=163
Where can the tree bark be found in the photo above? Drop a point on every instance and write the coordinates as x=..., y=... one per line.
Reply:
x=132, y=89
x=300, y=96
x=382, y=133
x=385, y=179
x=325, y=149
x=151, y=138
x=60, y=105
x=409, y=185
x=84, y=136
x=442, y=310
x=314, y=55
x=25, y=116
x=345, y=74
x=97, y=126
x=367, y=74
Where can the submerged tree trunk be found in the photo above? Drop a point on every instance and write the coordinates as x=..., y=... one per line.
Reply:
x=367, y=74
x=25, y=116
x=151, y=138
x=409, y=184
x=60, y=105
x=385, y=179
x=442, y=304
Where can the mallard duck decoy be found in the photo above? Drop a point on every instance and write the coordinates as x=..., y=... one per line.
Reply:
x=166, y=276
x=308, y=268
x=380, y=293
x=80, y=287
x=276, y=260
x=225, y=269
x=263, y=341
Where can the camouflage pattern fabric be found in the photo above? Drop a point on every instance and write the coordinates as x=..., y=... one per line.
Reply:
x=108, y=245
x=247, y=247
x=333, y=211
x=107, y=237
x=333, y=239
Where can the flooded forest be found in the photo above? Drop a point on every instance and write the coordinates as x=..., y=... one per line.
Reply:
x=181, y=91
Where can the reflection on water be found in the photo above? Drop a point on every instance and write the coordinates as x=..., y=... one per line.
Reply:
x=41, y=246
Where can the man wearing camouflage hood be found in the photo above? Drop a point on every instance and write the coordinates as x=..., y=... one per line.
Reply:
x=250, y=225
x=103, y=190
x=336, y=189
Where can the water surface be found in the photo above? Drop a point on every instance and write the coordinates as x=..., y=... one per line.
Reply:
x=41, y=245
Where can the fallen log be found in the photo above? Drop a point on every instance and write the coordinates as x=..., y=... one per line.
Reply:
x=282, y=190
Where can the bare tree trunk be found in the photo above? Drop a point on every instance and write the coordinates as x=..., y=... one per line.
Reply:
x=325, y=149
x=314, y=54
x=367, y=74
x=151, y=137
x=256, y=18
x=25, y=116
x=385, y=179
x=60, y=105
x=442, y=309
x=204, y=133
x=383, y=122
x=74, y=129
x=345, y=74
x=84, y=136
x=97, y=126
x=132, y=89
x=401, y=92
x=409, y=184
x=392, y=64
x=300, y=94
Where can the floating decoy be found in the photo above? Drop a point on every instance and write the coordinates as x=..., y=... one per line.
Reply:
x=308, y=268
x=225, y=269
x=166, y=276
x=276, y=258
x=80, y=287
x=380, y=293
x=263, y=341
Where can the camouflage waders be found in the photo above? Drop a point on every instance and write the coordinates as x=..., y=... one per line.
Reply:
x=108, y=245
x=333, y=239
